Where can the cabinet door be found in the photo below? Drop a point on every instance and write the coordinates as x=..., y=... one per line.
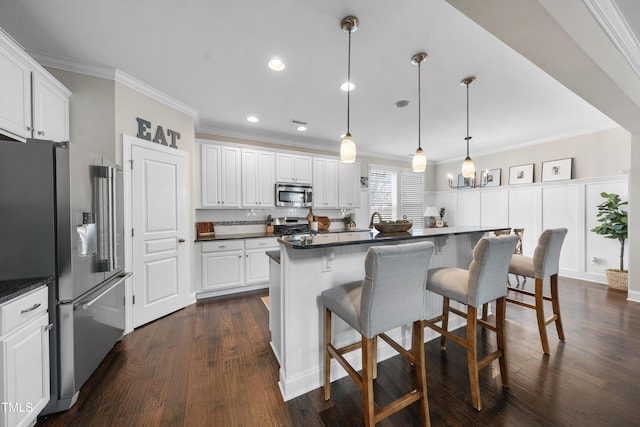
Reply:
x=222, y=270
x=230, y=177
x=51, y=110
x=266, y=179
x=210, y=176
x=325, y=183
x=250, y=186
x=302, y=169
x=284, y=167
x=257, y=179
x=257, y=266
x=349, y=182
x=26, y=360
x=15, y=87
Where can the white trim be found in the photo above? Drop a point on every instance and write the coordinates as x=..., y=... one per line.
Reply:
x=118, y=76
x=612, y=21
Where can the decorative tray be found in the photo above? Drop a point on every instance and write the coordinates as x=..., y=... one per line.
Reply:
x=393, y=227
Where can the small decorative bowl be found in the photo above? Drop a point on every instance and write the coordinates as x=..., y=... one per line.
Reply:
x=393, y=228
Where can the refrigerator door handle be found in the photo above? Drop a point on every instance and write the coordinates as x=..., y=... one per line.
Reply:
x=86, y=303
x=111, y=218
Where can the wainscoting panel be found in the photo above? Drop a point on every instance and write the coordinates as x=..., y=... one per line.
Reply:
x=535, y=207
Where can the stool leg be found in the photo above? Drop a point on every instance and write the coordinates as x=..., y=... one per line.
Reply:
x=421, y=374
x=485, y=311
x=374, y=351
x=367, y=381
x=555, y=302
x=445, y=321
x=327, y=355
x=501, y=305
x=540, y=315
x=472, y=356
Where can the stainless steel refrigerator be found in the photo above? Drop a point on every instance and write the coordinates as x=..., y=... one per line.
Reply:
x=61, y=215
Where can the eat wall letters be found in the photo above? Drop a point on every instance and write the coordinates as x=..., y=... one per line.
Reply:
x=144, y=126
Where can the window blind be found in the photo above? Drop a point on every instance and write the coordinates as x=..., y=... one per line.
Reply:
x=396, y=192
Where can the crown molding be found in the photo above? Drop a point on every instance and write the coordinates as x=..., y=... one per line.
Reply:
x=617, y=28
x=118, y=76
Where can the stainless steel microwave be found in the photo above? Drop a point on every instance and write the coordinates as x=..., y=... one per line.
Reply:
x=294, y=195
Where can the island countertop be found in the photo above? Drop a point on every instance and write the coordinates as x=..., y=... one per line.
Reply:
x=312, y=241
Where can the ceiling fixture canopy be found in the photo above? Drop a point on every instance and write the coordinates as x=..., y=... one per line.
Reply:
x=468, y=168
x=348, y=145
x=419, y=162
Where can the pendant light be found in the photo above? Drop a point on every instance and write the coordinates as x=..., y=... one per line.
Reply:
x=468, y=168
x=348, y=145
x=419, y=162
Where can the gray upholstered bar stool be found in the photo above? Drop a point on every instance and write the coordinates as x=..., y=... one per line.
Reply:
x=391, y=295
x=483, y=282
x=544, y=263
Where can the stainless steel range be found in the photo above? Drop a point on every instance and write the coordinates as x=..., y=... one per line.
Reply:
x=285, y=226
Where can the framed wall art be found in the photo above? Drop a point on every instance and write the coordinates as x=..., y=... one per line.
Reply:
x=465, y=182
x=492, y=178
x=557, y=170
x=522, y=174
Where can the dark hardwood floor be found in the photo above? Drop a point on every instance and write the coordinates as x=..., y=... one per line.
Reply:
x=210, y=364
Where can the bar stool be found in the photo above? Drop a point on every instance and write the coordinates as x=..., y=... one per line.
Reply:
x=485, y=281
x=544, y=263
x=391, y=295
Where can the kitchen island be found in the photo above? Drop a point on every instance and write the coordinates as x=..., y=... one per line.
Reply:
x=311, y=263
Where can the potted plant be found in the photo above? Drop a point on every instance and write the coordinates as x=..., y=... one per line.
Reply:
x=614, y=225
x=348, y=221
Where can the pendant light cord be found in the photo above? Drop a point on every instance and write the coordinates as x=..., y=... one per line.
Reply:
x=348, y=81
x=468, y=137
x=419, y=109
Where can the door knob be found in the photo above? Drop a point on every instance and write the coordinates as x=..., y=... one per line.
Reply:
x=181, y=240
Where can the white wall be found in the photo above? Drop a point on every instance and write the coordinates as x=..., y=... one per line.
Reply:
x=536, y=207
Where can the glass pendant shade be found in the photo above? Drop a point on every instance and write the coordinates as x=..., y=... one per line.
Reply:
x=348, y=149
x=419, y=162
x=468, y=168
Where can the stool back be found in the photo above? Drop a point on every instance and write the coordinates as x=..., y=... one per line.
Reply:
x=546, y=256
x=487, y=280
x=394, y=286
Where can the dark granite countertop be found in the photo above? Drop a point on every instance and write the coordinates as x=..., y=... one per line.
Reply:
x=260, y=235
x=10, y=289
x=274, y=255
x=312, y=241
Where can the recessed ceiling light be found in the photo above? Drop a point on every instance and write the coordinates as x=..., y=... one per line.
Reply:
x=301, y=128
x=401, y=104
x=347, y=87
x=252, y=119
x=276, y=64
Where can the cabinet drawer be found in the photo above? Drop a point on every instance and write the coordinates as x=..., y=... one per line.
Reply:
x=225, y=245
x=267, y=242
x=22, y=309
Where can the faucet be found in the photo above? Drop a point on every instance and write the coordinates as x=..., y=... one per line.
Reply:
x=372, y=216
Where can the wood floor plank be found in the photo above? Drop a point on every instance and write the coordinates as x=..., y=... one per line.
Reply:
x=210, y=364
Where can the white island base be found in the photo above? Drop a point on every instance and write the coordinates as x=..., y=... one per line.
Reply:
x=295, y=317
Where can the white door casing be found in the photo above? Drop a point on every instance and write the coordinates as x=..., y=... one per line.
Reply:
x=160, y=238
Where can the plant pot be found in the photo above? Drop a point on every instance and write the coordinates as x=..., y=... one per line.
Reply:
x=617, y=279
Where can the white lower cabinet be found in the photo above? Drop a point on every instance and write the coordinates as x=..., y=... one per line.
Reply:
x=24, y=357
x=230, y=266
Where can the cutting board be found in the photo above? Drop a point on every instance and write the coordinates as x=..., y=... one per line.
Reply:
x=323, y=222
x=205, y=229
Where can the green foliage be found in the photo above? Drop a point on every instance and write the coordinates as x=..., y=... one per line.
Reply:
x=442, y=211
x=614, y=221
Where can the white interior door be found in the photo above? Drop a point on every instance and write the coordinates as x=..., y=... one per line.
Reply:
x=159, y=212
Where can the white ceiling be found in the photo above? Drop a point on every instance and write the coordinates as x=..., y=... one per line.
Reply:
x=212, y=56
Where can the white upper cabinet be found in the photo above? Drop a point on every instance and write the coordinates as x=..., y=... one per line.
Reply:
x=219, y=176
x=50, y=109
x=349, y=183
x=258, y=179
x=325, y=183
x=293, y=168
x=15, y=93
